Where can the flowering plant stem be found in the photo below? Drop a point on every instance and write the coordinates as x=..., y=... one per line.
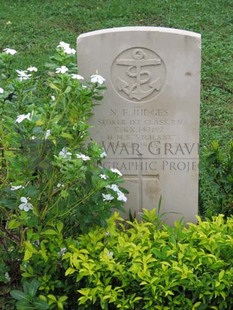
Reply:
x=76, y=204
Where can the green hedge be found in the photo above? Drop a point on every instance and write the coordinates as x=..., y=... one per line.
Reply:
x=150, y=265
x=131, y=265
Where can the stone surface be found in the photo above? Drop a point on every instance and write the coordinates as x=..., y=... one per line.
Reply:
x=148, y=122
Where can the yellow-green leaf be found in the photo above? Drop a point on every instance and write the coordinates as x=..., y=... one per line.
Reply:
x=50, y=232
x=196, y=305
x=13, y=224
x=53, y=86
x=221, y=275
x=70, y=271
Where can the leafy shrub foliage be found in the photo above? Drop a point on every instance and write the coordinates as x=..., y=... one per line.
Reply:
x=151, y=266
x=132, y=265
x=219, y=164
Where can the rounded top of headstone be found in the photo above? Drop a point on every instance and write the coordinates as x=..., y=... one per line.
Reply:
x=141, y=28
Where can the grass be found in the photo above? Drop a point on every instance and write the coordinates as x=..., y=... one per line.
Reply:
x=35, y=27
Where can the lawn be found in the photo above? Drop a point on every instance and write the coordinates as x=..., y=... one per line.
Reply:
x=35, y=27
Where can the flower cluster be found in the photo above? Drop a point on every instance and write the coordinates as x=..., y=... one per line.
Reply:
x=66, y=48
x=120, y=196
x=67, y=155
x=24, y=75
x=95, y=79
x=9, y=51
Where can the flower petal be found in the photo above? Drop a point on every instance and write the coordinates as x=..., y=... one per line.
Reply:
x=62, y=69
x=9, y=51
x=77, y=77
x=116, y=171
x=107, y=197
x=83, y=157
x=32, y=69
x=23, y=199
x=96, y=78
x=21, y=206
x=16, y=187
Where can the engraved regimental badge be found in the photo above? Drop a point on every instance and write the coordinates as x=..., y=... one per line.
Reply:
x=138, y=74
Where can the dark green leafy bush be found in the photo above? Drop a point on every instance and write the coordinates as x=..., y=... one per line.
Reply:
x=219, y=166
x=51, y=173
x=27, y=299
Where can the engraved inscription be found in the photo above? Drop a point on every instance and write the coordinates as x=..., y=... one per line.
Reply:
x=149, y=167
x=148, y=121
x=138, y=74
x=154, y=148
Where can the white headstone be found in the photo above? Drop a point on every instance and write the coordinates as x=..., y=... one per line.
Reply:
x=148, y=122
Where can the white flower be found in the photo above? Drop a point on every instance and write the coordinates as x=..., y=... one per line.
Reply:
x=103, y=155
x=1, y=90
x=22, y=74
x=32, y=69
x=121, y=196
x=60, y=185
x=22, y=117
x=83, y=157
x=53, y=98
x=69, y=51
x=47, y=134
x=114, y=187
x=63, y=45
x=16, y=187
x=62, y=69
x=107, y=197
x=9, y=51
x=62, y=251
x=66, y=48
x=64, y=153
x=96, y=78
x=103, y=176
x=77, y=77
x=25, y=205
x=116, y=171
